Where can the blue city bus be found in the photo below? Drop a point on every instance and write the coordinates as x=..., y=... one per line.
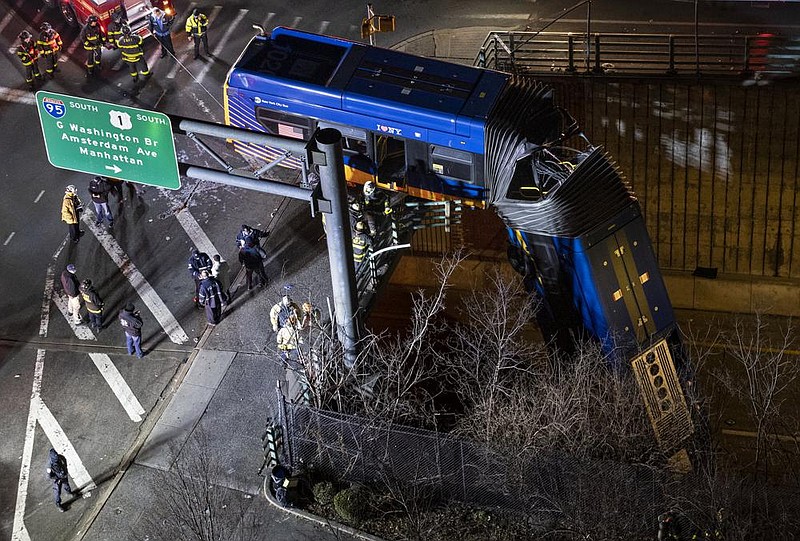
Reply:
x=439, y=131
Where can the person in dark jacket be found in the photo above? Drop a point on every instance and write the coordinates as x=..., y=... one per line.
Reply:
x=58, y=474
x=160, y=24
x=98, y=189
x=212, y=297
x=252, y=258
x=250, y=234
x=71, y=287
x=198, y=262
x=131, y=323
x=94, y=305
x=93, y=37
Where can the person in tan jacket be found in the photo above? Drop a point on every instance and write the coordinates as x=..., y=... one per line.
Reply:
x=71, y=208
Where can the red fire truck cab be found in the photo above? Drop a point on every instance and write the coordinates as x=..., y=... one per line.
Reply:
x=75, y=12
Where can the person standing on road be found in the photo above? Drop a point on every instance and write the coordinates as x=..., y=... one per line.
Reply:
x=99, y=189
x=71, y=287
x=252, y=258
x=132, y=50
x=197, y=28
x=48, y=46
x=160, y=24
x=212, y=297
x=250, y=234
x=94, y=305
x=131, y=322
x=59, y=475
x=221, y=270
x=71, y=208
x=281, y=311
x=28, y=55
x=92, y=37
x=114, y=29
x=198, y=262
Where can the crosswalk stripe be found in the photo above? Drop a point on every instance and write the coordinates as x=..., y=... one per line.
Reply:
x=61, y=443
x=139, y=282
x=195, y=232
x=323, y=26
x=222, y=42
x=118, y=384
x=82, y=332
x=265, y=24
x=16, y=95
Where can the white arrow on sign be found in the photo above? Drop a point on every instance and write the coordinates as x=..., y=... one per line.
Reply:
x=114, y=168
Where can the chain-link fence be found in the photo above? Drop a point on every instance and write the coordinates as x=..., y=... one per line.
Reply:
x=549, y=491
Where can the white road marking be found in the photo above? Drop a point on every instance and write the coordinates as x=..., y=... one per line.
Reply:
x=195, y=232
x=140, y=284
x=323, y=27
x=185, y=55
x=118, y=384
x=19, y=531
x=60, y=442
x=49, y=280
x=221, y=44
x=38, y=196
x=11, y=236
x=296, y=22
x=18, y=96
x=265, y=24
x=499, y=16
x=82, y=332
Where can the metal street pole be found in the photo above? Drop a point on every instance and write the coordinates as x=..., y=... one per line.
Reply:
x=340, y=241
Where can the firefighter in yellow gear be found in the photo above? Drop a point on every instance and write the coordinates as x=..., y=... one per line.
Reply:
x=26, y=52
x=48, y=47
x=130, y=45
x=361, y=242
x=92, y=37
x=114, y=30
x=197, y=28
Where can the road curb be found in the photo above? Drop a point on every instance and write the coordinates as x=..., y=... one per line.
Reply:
x=314, y=518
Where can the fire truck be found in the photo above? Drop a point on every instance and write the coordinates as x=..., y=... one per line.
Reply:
x=75, y=12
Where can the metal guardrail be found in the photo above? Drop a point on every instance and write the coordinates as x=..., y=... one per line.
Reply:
x=641, y=54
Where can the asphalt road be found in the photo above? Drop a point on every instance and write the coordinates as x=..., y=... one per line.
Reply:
x=64, y=386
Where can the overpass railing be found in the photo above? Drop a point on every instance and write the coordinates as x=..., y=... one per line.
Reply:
x=640, y=54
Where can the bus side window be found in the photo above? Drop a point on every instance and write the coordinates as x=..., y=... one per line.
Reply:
x=452, y=163
x=390, y=155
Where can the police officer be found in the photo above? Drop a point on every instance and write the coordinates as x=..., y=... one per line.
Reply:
x=132, y=50
x=212, y=297
x=114, y=29
x=94, y=305
x=58, y=473
x=27, y=54
x=48, y=46
x=197, y=28
x=160, y=23
x=250, y=235
x=198, y=262
x=92, y=37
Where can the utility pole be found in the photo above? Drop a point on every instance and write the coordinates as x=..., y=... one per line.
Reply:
x=328, y=156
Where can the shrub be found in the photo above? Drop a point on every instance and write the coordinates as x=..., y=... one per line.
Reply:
x=352, y=504
x=324, y=492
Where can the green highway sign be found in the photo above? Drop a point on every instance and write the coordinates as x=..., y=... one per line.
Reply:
x=107, y=139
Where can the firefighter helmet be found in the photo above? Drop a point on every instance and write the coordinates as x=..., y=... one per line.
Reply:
x=92, y=19
x=369, y=187
x=126, y=30
x=45, y=27
x=361, y=226
x=25, y=36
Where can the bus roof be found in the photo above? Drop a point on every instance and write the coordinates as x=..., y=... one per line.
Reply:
x=371, y=82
